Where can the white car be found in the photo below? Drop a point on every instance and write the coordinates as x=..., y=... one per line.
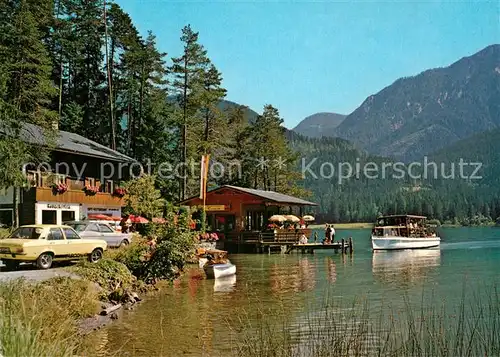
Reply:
x=101, y=230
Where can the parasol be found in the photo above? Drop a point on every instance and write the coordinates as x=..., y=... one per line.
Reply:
x=308, y=218
x=292, y=218
x=138, y=219
x=277, y=218
x=100, y=217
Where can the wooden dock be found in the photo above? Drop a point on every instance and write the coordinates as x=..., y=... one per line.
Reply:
x=342, y=246
x=283, y=243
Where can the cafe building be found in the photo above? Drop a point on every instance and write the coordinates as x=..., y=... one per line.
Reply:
x=240, y=214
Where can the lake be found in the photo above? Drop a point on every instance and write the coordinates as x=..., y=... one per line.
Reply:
x=199, y=317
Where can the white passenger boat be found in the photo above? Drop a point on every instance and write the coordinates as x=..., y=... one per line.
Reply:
x=214, y=271
x=403, y=232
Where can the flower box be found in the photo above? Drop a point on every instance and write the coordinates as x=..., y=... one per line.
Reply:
x=119, y=192
x=59, y=188
x=90, y=190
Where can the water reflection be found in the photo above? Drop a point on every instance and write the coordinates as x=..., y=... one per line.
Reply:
x=331, y=269
x=404, y=266
x=298, y=277
x=225, y=285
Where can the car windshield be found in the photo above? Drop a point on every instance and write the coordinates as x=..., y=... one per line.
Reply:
x=27, y=233
x=79, y=227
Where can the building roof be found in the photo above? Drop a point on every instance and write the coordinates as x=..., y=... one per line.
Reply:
x=267, y=195
x=71, y=143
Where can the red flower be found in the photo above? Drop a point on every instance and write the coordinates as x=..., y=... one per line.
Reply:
x=119, y=192
x=59, y=188
x=90, y=190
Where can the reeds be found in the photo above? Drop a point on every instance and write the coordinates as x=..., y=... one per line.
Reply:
x=39, y=319
x=437, y=328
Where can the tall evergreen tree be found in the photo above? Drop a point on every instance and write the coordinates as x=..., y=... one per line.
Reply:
x=188, y=71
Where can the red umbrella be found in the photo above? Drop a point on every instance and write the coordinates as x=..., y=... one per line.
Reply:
x=116, y=218
x=138, y=219
x=100, y=217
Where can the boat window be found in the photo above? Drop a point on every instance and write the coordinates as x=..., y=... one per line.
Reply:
x=27, y=233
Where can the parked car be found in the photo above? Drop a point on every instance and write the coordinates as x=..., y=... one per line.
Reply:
x=100, y=230
x=44, y=243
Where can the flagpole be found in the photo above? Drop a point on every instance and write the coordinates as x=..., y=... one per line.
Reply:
x=205, y=159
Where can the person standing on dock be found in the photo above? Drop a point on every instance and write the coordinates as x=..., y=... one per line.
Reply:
x=332, y=233
x=327, y=233
x=315, y=237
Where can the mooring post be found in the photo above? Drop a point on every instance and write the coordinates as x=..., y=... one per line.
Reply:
x=343, y=246
x=351, y=249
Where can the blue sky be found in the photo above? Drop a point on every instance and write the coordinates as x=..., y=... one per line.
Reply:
x=307, y=57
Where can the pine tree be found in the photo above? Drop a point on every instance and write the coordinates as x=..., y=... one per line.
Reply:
x=187, y=73
x=25, y=92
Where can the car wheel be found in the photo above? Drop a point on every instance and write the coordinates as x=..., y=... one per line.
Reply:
x=96, y=255
x=44, y=261
x=124, y=243
x=11, y=264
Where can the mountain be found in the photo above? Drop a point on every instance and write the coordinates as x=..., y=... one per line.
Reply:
x=418, y=115
x=319, y=124
x=482, y=151
x=351, y=185
x=249, y=113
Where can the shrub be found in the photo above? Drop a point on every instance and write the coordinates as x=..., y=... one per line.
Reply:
x=112, y=276
x=134, y=256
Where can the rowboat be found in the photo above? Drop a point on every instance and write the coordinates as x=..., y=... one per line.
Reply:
x=215, y=271
x=403, y=232
x=225, y=285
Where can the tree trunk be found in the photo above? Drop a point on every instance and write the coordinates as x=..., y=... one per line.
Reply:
x=15, y=206
x=111, y=108
x=184, y=132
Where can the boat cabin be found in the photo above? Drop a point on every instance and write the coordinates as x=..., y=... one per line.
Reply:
x=401, y=226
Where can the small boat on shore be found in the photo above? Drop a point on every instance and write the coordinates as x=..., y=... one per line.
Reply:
x=403, y=232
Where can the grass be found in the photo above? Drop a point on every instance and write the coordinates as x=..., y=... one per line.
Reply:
x=435, y=329
x=39, y=319
x=354, y=225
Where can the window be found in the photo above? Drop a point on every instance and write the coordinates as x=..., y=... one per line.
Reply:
x=6, y=218
x=105, y=229
x=49, y=217
x=55, y=234
x=79, y=227
x=27, y=233
x=93, y=228
x=70, y=233
x=68, y=216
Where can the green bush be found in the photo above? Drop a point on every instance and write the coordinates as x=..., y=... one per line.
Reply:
x=112, y=276
x=134, y=256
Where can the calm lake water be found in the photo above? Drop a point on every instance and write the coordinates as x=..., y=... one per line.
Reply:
x=196, y=316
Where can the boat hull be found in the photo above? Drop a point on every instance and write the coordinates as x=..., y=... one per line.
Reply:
x=219, y=270
x=394, y=243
